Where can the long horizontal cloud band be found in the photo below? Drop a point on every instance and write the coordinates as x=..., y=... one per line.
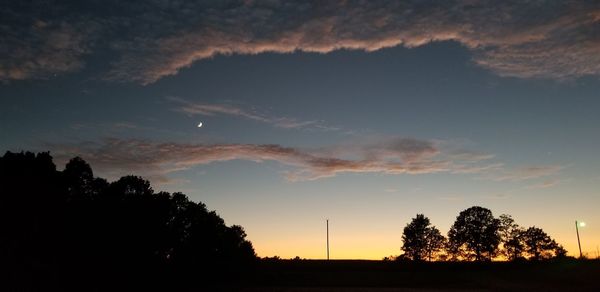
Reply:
x=153, y=39
x=114, y=157
x=158, y=159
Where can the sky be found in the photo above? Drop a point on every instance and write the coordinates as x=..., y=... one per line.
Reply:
x=361, y=112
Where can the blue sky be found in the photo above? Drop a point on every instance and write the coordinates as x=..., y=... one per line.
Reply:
x=431, y=111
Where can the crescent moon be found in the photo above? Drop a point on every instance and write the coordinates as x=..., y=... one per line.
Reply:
x=200, y=125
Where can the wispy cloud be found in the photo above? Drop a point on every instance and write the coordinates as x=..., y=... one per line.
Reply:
x=549, y=183
x=526, y=173
x=115, y=157
x=158, y=38
x=544, y=185
x=216, y=109
x=125, y=125
x=500, y=196
x=206, y=109
x=451, y=198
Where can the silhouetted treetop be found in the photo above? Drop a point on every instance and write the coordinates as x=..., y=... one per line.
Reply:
x=540, y=246
x=77, y=170
x=421, y=240
x=474, y=234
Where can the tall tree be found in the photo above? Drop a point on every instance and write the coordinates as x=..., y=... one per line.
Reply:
x=474, y=235
x=421, y=240
x=510, y=238
x=435, y=242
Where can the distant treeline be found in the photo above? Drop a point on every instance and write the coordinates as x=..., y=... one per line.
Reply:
x=69, y=230
x=477, y=235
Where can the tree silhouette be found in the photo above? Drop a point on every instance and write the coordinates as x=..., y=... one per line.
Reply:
x=421, y=240
x=474, y=235
x=539, y=245
x=79, y=177
x=510, y=238
x=67, y=229
x=30, y=219
x=435, y=242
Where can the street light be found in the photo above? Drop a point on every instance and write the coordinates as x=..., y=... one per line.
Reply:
x=577, y=225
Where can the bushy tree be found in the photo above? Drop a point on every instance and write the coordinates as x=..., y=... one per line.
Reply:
x=474, y=235
x=532, y=243
x=540, y=246
x=421, y=240
x=79, y=178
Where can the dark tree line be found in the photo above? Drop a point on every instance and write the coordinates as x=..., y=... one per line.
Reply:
x=70, y=230
x=477, y=235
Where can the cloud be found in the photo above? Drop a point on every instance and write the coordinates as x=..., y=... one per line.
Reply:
x=503, y=35
x=525, y=173
x=549, y=183
x=154, y=39
x=41, y=50
x=500, y=196
x=216, y=109
x=117, y=157
x=545, y=184
x=206, y=109
x=451, y=198
x=125, y=125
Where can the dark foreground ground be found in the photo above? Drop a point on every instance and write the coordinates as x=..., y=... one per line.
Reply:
x=335, y=275
x=359, y=275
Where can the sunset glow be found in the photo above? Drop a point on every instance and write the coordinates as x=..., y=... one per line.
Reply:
x=279, y=115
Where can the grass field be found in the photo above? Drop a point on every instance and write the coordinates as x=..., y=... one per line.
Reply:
x=360, y=275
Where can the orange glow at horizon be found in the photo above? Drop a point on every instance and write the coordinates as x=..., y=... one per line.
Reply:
x=376, y=246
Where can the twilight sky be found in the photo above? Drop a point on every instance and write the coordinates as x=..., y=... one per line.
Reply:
x=363, y=112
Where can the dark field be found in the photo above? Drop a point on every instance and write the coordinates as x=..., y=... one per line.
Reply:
x=360, y=275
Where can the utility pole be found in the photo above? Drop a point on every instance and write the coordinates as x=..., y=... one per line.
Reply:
x=578, y=241
x=327, y=239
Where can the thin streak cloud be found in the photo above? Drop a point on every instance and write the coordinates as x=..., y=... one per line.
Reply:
x=544, y=185
x=528, y=172
x=206, y=109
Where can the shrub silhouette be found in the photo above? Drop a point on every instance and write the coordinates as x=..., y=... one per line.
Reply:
x=64, y=230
